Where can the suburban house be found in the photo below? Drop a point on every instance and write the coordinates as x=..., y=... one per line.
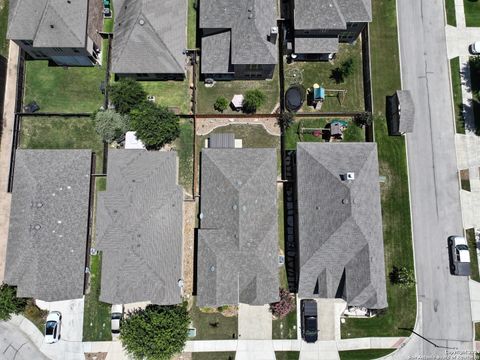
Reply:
x=139, y=228
x=237, y=257
x=239, y=39
x=340, y=223
x=47, y=240
x=319, y=25
x=150, y=39
x=400, y=111
x=63, y=32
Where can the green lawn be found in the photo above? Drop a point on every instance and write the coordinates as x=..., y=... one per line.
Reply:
x=473, y=254
x=61, y=133
x=108, y=25
x=226, y=328
x=319, y=72
x=206, y=96
x=292, y=135
x=285, y=328
x=457, y=95
x=184, y=147
x=64, y=90
x=213, y=356
x=401, y=310
x=450, y=10
x=369, y=354
x=174, y=94
x=287, y=355
x=3, y=28
x=472, y=12
x=192, y=25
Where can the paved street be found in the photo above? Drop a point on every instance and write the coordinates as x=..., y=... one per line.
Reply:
x=14, y=344
x=445, y=318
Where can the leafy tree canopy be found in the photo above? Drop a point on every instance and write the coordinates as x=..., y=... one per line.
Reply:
x=252, y=100
x=126, y=95
x=221, y=104
x=158, y=332
x=9, y=303
x=111, y=125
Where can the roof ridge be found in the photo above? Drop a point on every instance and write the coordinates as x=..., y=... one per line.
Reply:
x=60, y=18
x=130, y=31
x=41, y=18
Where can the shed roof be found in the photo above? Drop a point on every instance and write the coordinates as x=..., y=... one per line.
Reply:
x=340, y=223
x=150, y=36
x=238, y=236
x=139, y=228
x=48, y=224
x=406, y=109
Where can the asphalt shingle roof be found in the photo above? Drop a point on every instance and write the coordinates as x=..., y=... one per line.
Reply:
x=216, y=53
x=340, y=223
x=250, y=22
x=238, y=236
x=304, y=45
x=49, y=23
x=140, y=228
x=149, y=36
x=48, y=224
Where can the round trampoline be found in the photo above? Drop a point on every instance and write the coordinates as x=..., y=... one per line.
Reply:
x=294, y=97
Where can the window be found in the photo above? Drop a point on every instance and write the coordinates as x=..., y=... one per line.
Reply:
x=58, y=49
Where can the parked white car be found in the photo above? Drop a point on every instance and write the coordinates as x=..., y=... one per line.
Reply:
x=460, y=256
x=117, y=314
x=52, y=327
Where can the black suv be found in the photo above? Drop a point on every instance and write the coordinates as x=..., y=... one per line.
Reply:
x=309, y=320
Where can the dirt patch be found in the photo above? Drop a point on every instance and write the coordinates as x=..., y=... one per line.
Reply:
x=227, y=311
x=206, y=126
x=96, y=356
x=189, y=214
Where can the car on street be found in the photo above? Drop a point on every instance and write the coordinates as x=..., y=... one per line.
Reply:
x=309, y=320
x=117, y=314
x=52, y=327
x=475, y=48
x=459, y=256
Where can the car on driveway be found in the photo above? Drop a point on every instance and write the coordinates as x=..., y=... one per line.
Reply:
x=459, y=256
x=117, y=314
x=309, y=320
x=474, y=48
x=52, y=327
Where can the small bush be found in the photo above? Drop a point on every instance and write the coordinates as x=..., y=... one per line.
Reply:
x=221, y=104
x=362, y=119
x=252, y=100
x=110, y=125
x=9, y=302
x=403, y=277
x=284, y=306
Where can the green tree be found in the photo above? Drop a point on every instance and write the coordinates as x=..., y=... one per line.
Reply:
x=339, y=74
x=9, y=302
x=285, y=120
x=157, y=332
x=110, y=125
x=362, y=119
x=252, y=100
x=402, y=276
x=155, y=125
x=221, y=104
x=126, y=95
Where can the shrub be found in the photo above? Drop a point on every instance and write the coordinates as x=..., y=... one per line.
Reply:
x=110, y=125
x=9, y=302
x=284, y=306
x=363, y=118
x=252, y=100
x=285, y=120
x=221, y=104
x=126, y=95
x=403, y=277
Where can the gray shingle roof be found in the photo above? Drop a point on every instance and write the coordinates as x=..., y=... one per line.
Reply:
x=340, y=223
x=149, y=36
x=48, y=224
x=407, y=111
x=139, y=228
x=325, y=45
x=238, y=236
x=33, y=20
x=216, y=53
x=330, y=14
x=250, y=22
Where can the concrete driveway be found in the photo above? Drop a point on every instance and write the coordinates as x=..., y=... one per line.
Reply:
x=72, y=317
x=254, y=322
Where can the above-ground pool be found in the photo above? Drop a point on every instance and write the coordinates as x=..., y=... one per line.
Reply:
x=294, y=97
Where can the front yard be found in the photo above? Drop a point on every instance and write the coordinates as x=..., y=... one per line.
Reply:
x=472, y=12
x=61, y=133
x=308, y=73
x=206, y=97
x=213, y=325
x=63, y=90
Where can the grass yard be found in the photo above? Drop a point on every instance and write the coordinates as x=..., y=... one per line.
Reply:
x=369, y=354
x=3, y=28
x=226, y=329
x=472, y=12
x=192, y=25
x=213, y=356
x=36, y=315
x=287, y=355
x=184, y=147
x=292, y=135
x=174, y=94
x=206, y=97
x=450, y=10
x=457, y=95
x=470, y=233
x=64, y=90
x=61, y=133
x=320, y=72
x=401, y=310
x=285, y=328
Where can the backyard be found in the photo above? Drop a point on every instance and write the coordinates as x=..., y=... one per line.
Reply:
x=173, y=94
x=401, y=310
x=472, y=12
x=212, y=325
x=457, y=95
x=3, y=28
x=206, y=96
x=320, y=72
x=61, y=133
x=63, y=90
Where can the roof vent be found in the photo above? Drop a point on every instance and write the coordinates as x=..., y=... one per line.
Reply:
x=141, y=22
x=52, y=26
x=350, y=176
x=212, y=268
x=37, y=226
x=201, y=216
x=250, y=16
x=345, y=201
x=39, y=204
